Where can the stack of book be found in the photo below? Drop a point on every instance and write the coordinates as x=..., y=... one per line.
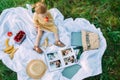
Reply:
x=83, y=41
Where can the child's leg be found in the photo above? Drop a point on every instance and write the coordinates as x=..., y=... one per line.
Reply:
x=39, y=35
x=37, y=41
x=56, y=36
x=57, y=41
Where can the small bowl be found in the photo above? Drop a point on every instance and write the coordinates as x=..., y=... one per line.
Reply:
x=20, y=36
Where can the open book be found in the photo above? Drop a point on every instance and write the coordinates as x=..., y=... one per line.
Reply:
x=61, y=59
x=76, y=39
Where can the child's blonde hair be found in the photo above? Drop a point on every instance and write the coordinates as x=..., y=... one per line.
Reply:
x=40, y=7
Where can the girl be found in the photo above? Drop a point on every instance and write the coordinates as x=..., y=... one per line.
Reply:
x=43, y=21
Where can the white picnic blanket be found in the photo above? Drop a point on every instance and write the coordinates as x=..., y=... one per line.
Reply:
x=19, y=18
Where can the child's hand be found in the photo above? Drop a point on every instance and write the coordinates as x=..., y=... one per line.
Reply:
x=36, y=27
x=46, y=19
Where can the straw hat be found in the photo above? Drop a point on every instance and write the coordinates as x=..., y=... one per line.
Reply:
x=36, y=69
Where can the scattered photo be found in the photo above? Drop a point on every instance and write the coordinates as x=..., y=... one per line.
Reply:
x=69, y=60
x=52, y=56
x=66, y=52
x=55, y=64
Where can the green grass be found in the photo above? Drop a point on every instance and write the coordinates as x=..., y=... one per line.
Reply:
x=105, y=14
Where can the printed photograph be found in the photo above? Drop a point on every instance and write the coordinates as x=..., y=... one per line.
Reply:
x=69, y=60
x=52, y=56
x=66, y=52
x=55, y=64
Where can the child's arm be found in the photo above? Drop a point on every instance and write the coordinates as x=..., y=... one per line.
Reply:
x=35, y=24
x=35, y=21
x=50, y=17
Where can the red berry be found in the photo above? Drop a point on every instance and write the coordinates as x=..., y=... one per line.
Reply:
x=9, y=34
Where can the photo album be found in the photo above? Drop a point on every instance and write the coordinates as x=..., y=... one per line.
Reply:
x=60, y=59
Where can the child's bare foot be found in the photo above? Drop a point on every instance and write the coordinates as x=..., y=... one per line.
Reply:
x=37, y=49
x=59, y=43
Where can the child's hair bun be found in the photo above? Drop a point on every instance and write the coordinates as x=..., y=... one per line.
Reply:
x=42, y=1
